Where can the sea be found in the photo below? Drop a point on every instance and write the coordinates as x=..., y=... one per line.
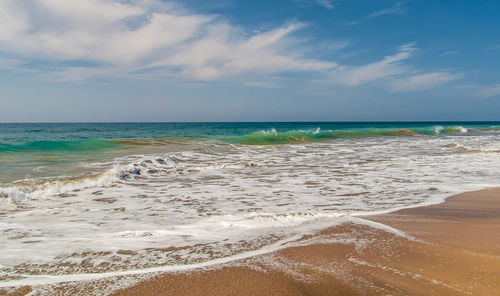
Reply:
x=82, y=201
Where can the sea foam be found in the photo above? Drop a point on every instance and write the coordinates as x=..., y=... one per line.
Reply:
x=219, y=202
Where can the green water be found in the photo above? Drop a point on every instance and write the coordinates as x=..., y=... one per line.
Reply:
x=32, y=150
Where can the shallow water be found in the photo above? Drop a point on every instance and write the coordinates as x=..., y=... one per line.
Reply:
x=81, y=198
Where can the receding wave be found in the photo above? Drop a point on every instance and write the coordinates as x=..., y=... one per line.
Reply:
x=59, y=185
x=24, y=190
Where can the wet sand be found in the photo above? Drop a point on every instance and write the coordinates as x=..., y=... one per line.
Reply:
x=453, y=249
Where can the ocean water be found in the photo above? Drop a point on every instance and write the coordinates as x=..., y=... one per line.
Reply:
x=130, y=197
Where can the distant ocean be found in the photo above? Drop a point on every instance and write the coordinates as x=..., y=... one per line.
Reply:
x=128, y=197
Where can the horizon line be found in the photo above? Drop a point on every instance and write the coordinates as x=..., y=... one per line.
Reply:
x=300, y=121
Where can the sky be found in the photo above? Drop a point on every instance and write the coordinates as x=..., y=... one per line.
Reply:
x=237, y=60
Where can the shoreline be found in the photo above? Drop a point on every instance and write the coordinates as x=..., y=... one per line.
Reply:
x=455, y=251
x=449, y=248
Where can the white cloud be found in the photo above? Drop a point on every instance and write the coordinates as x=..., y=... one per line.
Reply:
x=422, y=81
x=448, y=52
x=151, y=38
x=95, y=30
x=393, y=73
x=388, y=66
x=216, y=55
x=488, y=91
x=328, y=4
x=397, y=8
x=144, y=34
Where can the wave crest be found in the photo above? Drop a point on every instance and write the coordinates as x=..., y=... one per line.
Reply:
x=60, y=186
x=273, y=137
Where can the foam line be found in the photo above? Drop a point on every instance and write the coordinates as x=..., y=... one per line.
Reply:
x=36, y=280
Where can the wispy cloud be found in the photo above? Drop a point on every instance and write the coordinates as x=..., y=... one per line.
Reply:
x=489, y=91
x=448, y=52
x=126, y=36
x=328, y=4
x=388, y=66
x=152, y=39
x=422, y=81
x=216, y=55
x=393, y=73
x=397, y=8
x=482, y=91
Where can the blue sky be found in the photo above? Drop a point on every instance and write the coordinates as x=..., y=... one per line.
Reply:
x=227, y=60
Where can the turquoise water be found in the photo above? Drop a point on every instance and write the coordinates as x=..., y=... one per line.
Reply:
x=75, y=137
x=33, y=150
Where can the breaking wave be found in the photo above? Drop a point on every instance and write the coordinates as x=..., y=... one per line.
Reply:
x=273, y=137
x=59, y=186
x=263, y=137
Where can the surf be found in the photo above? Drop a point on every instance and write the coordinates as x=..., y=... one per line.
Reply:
x=273, y=137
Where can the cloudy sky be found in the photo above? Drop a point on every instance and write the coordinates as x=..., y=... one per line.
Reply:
x=236, y=60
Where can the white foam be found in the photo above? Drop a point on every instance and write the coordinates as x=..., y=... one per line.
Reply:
x=50, y=188
x=271, y=131
x=294, y=241
x=34, y=280
x=438, y=129
x=219, y=201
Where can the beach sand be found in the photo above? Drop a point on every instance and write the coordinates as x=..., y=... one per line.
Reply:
x=452, y=248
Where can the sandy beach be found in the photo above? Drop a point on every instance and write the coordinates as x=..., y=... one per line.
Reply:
x=452, y=248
